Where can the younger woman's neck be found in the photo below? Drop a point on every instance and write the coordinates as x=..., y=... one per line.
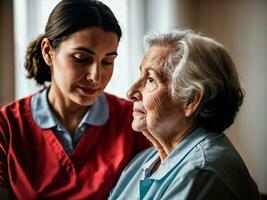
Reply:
x=66, y=111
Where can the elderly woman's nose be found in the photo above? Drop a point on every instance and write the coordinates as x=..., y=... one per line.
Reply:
x=133, y=93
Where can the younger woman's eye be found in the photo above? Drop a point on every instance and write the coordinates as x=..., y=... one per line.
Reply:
x=107, y=63
x=81, y=59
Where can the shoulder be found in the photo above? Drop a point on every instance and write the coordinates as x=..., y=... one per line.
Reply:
x=12, y=115
x=16, y=107
x=199, y=184
x=215, y=151
x=117, y=101
x=143, y=156
x=134, y=169
x=119, y=106
x=217, y=157
x=220, y=154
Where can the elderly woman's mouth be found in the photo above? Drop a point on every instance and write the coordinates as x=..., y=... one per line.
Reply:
x=138, y=112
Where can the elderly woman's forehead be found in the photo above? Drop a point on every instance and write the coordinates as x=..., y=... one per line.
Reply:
x=156, y=54
x=154, y=60
x=158, y=49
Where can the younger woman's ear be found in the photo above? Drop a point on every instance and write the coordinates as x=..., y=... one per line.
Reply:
x=46, y=51
x=193, y=102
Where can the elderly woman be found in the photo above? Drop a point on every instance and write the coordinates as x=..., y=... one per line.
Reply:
x=187, y=95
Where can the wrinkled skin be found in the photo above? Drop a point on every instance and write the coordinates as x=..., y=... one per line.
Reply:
x=156, y=115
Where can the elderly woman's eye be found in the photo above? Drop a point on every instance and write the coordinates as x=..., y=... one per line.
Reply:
x=150, y=84
x=150, y=79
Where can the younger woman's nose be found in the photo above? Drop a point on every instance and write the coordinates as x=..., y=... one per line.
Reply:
x=94, y=73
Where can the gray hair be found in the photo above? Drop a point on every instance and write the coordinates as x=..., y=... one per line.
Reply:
x=194, y=63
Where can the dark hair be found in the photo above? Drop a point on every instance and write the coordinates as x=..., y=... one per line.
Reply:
x=66, y=18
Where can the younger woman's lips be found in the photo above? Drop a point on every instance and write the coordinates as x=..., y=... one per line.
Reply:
x=88, y=91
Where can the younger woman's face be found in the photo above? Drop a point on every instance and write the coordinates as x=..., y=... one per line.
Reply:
x=82, y=65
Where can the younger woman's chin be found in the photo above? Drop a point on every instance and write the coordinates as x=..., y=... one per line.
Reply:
x=85, y=101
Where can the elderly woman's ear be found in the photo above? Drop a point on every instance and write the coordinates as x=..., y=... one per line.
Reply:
x=193, y=102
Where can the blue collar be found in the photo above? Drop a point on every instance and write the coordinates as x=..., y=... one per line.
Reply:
x=96, y=115
x=176, y=156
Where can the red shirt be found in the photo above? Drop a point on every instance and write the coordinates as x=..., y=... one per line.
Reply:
x=34, y=165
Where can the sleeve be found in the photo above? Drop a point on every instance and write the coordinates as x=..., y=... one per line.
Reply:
x=201, y=185
x=4, y=141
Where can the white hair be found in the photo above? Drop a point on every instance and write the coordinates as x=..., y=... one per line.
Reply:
x=196, y=62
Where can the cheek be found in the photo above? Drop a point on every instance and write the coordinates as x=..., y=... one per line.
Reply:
x=139, y=123
x=156, y=106
x=106, y=76
x=62, y=69
x=67, y=76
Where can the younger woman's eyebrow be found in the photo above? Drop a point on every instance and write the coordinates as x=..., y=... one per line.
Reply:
x=114, y=53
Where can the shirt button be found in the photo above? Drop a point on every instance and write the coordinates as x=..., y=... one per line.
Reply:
x=59, y=128
x=82, y=128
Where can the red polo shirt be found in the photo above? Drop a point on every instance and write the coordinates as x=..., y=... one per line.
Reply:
x=34, y=165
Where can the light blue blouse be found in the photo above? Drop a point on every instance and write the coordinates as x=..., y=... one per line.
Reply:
x=43, y=115
x=204, y=165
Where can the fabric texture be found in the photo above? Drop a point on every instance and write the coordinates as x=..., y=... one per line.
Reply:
x=34, y=165
x=204, y=165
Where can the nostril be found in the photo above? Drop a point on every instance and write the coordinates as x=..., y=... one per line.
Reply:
x=94, y=73
x=134, y=95
x=131, y=94
x=93, y=78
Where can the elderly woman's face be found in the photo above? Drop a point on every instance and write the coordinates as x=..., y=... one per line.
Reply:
x=154, y=109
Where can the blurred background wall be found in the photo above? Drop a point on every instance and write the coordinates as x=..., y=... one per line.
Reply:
x=7, y=57
x=240, y=25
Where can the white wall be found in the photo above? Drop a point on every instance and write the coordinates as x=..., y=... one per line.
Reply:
x=30, y=17
x=120, y=79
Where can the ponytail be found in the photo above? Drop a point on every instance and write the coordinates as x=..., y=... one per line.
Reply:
x=35, y=64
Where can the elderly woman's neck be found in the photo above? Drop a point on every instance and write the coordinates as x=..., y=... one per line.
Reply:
x=169, y=144
x=182, y=134
x=166, y=147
